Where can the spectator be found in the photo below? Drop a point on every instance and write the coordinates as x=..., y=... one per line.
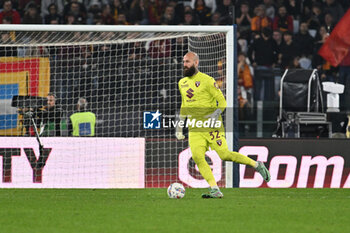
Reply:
x=160, y=53
x=8, y=12
x=288, y=52
x=262, y=51
x=226, y=11
x=316, y=17
x=23, y=5
x=137, y=13
x=270, y=8
x=179, y=47
x=189, y=19
x=31, y=15
x=321, y=35
x=244, y=110
x=278, y=38
x=82, y=122
x=160, y=49
x=295, y=64
x=188, y=9
x=117, y=8
x=155, y=11
x=216, y=19
x=260, y=20
x=263, y=55
x=220, y=76
x=76, y=9
x=305, y=62
x=244, y=18
x=209, y=3
x=94, y=13
x=70, y=19
x=45, y=5
x=328, y=22
x=245, y=78
x=122, y=19
x=168, y=17
x=283, y=21
x=304, y=40
x=107, y=17
x=89, y=3
x=294, y=8
x=179, y=9
x=137, y=51
x=202, y=11
x=7, y=51
x=52, y=15
x=325, y=70
x=242, y=41
x=334, y=8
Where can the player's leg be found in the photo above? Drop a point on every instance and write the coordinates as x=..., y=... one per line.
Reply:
x=217, y=142
x=199, y=146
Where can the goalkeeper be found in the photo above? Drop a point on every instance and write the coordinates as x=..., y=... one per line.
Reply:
x=202, y=100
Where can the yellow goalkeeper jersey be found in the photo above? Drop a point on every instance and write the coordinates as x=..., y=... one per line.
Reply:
x=201, y=96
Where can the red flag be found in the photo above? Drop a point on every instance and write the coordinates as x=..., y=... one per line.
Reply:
x=338, y=43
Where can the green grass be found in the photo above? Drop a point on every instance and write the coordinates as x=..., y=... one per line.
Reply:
x=150, y=210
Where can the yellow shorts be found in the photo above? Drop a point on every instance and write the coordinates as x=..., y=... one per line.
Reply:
x=214, y=139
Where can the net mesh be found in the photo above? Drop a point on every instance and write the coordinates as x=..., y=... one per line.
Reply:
x=119, y=74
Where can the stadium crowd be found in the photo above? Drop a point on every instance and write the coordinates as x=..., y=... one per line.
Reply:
x=272, y=34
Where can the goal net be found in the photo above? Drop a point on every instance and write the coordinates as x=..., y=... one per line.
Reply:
x=122, y=75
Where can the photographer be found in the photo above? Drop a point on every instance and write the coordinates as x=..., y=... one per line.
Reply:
x=50, y=115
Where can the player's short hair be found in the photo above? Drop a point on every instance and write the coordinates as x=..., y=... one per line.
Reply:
x=82, y=103
x=52, y=94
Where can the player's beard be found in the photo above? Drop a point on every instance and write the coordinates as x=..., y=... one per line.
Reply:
x=188, y=72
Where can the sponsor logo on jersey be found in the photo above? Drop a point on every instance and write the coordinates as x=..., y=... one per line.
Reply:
x=198, y=83
x=190, y=93
x=219, y=142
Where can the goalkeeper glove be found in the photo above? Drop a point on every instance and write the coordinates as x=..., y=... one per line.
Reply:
x=179, y=130
x=215, y=115
x=179, y=135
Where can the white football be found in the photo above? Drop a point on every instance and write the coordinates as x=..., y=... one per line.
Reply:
x=176, y=190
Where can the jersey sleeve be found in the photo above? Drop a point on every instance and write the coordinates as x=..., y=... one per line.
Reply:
x=182, y=108
x=215, y=91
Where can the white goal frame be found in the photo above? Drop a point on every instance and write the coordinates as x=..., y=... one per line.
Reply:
x=230, y=62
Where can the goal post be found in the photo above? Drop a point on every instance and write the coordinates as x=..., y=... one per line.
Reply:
x=123, y=73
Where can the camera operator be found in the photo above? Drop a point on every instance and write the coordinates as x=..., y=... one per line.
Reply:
x=50, y=115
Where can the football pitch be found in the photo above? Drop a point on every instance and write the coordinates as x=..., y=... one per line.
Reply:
x=150, y=210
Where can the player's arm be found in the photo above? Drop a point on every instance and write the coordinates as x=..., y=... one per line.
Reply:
x=179, y=127
x=215, y=91
x=217, y=94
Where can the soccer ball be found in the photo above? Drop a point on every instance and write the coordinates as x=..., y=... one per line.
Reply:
x=176, y=190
